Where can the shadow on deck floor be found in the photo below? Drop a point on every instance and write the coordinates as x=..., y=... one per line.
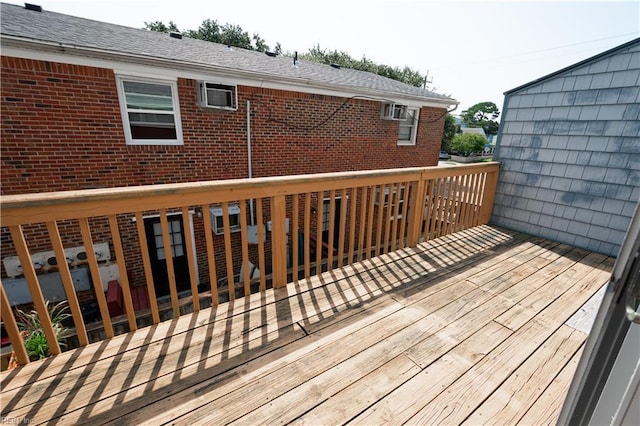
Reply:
x=469, y=327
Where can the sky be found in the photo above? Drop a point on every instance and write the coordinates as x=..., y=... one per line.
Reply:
x=473, y=51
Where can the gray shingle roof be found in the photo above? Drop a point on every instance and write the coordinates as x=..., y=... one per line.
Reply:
x=73, y=32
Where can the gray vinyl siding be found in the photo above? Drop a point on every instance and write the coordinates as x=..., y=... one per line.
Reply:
x=570, y=152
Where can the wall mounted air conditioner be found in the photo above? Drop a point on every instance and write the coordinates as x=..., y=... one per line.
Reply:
x=216, y=95
x=391, y=111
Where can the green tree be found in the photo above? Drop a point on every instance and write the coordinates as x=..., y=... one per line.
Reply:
x=161, y=27
x=405, y=75
x=234, y=35
x=483, y=114
x=450, y=130
x=468, y=143
x=259, y=43
x=208, y=30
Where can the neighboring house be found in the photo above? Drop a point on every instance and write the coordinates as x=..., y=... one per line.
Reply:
x=87, y=104
x=569, y=144
x=473, y=131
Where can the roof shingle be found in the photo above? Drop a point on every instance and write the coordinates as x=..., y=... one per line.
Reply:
x=73, y=32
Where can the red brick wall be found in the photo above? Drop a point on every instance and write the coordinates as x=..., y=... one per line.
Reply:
x=62, y=130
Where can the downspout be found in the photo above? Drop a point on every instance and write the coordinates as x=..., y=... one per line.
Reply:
x=249, y=157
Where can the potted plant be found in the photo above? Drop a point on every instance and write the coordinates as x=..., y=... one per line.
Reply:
x=33, y=335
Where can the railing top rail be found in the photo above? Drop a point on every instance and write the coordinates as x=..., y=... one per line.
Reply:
x=48, y=206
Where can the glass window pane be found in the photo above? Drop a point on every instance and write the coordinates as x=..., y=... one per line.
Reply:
x=149, y=119
x=405, y=133
x=160, y=253
x=178, y=250
x=148, y=96
x=157, y=229
x=159, y=242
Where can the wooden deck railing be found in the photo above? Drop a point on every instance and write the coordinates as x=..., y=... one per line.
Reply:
x=306, y=224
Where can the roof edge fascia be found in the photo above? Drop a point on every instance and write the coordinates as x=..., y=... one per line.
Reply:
x=120, y=62
x=572, y=66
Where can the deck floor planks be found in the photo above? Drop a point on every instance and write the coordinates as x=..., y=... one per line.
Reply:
x=120, y=360
x=546, y=409
x=481, y=381
x=402, y=404
x=514, y=397
x=235, y=335
x=429, y=294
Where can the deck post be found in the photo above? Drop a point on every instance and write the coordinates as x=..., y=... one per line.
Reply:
x=279, y=241
x=488, y=197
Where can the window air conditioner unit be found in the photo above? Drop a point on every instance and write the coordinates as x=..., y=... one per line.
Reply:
x=391, y=111
x=215, y=95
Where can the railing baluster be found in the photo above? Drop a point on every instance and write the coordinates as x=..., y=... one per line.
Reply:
x=396, y=216
x=85, y=231
x=458, y=200
x=450, y=204
x=379, y=219
x=146, y=263
x=439, y=204
x=479, y=199
x=405, y=213
x=245, y=248
x=122, y=271
x=319, y=220
x=67, y=283
x=342, y=226
x=261, y=261
x=34, y=288
x=191, y=258
x=465, y=203
x=428, y=215
x=211, y=257
x=332, y=224
x=168, y=257
x=352, y=224
x=473, y=189
x=416, y=204
x=372, y=204
x=307, y=234
x=228, y=251
x=294, y=238
x=279, y=240
x=10, y=324
x=388, y=218
x=363, y=222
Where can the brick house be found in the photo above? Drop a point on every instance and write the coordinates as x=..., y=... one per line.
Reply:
x=569, y=144
x=87, y=104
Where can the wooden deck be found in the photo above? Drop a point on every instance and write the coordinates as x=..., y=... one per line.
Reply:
x=469, y=328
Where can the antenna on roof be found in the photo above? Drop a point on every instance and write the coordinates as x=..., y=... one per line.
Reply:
x=426, y=80
x=295, y=58
x=34, y=7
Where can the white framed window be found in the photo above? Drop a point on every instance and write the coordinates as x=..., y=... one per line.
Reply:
x=217, y=221
x=150, y=111
x=408, y=128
